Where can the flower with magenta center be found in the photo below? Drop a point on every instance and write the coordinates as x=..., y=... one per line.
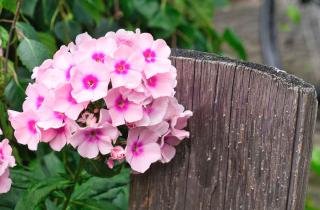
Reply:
x=93, y=89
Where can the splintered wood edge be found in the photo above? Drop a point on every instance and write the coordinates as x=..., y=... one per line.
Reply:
x=275, y=73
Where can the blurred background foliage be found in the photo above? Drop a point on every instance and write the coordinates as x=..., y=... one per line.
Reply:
x=31, y=31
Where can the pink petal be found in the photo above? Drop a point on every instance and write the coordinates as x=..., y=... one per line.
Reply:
x=144, y=41
x=148, y=136
x=161, y=66
x=151, y=153
x=104, y=116
x=58, y=142
x=133, y=113
x=77, y=138
x=160, y=129
x=5, y=182
x=48, y=135
x=161, y=48
x=88, y=149
x=158, y=110
x=167, y=152
x=117, y=117
x=111, y=97
x=104, y=147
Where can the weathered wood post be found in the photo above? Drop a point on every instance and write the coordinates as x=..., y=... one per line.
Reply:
x=250, y=145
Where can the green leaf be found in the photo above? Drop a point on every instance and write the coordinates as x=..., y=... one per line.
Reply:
x=294, y=14
x=80, y=14
x=48, y=9
x=67, y=30
x=39, y=193
x=315, y=161
x=32, y=53
x=8, y=201
x=50, y=205
x=94, y=8
x=114, y=190
x=167, y=19
x=52, y=165
x=26, y=30
x=100, y=169
x=146, y=8
x=94, y=205
x=28, y=7
x=14, y=94
x=23, y=178
x=201, y=13
x=128, y=9
x=94, y=187
x=186, y=36
x=10, y=5
x=4, y=36
x=234, y=41
x=49, y=41
x=105, y=25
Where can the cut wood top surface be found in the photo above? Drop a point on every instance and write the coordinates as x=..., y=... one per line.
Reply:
x=272, y=71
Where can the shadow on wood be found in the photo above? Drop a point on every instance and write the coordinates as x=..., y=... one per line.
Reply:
x=250, y=145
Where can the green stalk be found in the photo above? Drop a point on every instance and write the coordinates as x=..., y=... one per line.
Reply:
x=75, y=181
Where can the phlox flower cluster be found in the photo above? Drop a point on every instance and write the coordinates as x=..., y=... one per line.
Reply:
x=111, y=97
x=6, y=161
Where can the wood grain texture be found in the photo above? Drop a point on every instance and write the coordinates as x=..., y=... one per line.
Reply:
x=250, y=144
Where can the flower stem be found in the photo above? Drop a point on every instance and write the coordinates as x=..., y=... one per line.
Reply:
x=75, y=181
x=13, y=26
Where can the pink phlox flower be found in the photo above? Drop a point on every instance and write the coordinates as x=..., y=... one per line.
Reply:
x=25, y=127
x=96, y=50
x=93, y=139
x=125, y=67
x=39, y=71
x=178, y=123
x=159, y=129
x=156, y=54
x=63, y=61
x=117, y=153
x=87, y=118
x=174, y=108
x=5, y=182
x=154, y=112
x=110, y=163
x=6, y=158
x=123, y=37
x=142, y=149
x=49, y=117
x=167, y=145
x=138, y=95
x=89, y=81
x=82, y=38
x=122, y=110
x=59, y=137
x=65, y=103
x=161, y=84
x=36, y=94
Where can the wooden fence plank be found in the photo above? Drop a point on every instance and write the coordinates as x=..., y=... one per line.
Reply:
x=250, y=144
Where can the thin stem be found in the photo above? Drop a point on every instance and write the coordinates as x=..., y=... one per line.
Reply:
x=6, y=21
x=66, y=165
x=75, y=181
x=13, y=26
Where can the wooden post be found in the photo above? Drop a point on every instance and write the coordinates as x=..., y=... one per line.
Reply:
x=250, y=145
